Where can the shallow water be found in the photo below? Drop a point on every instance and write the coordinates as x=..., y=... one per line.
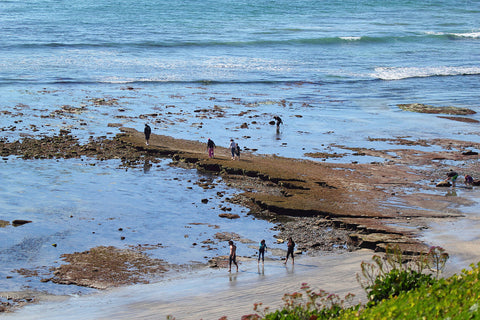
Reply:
x=80, y=204
x=335, y=72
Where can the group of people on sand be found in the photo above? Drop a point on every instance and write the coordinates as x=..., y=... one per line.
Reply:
x=262, y=248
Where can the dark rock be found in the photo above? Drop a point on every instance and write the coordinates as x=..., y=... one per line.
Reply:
x=17, y=223
x=444, y=184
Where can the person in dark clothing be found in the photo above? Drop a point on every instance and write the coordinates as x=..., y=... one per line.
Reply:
x=232, y=258
x=261, y=251
x=210, y=148
x=290, y=248
x=147, y=131
x=278, y=121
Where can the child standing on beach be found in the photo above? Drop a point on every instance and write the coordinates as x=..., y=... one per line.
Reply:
x=261, y=251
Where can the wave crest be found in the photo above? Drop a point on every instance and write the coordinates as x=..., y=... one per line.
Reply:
x=398, y=73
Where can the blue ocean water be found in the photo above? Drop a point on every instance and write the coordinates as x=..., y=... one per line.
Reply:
x=336, y=67
x=335, y=71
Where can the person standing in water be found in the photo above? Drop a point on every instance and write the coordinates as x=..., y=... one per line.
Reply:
x=210, y=148
x=233, y=256
x=278, y=121
x=261, y=251
x=290, y=248
x=147, y=131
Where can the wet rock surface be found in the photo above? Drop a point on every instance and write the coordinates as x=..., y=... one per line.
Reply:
x=425, y=108
x=105, y=267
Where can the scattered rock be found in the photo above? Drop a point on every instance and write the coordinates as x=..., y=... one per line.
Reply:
x=424, y=108
x=444, y=184
x=17, y=223
x=229, y=215
x=104, y=267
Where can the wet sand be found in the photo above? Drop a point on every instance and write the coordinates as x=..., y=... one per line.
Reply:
x=211, y=294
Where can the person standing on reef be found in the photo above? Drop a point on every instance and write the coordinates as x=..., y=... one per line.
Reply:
x=261, y=251
x=210, y=148
x=237, y=151
x=233, y=256
x=290, y=248
x=147, y=131
x=233, y=149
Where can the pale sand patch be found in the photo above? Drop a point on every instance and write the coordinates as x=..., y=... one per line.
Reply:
x=233, y=295
x=213, y=293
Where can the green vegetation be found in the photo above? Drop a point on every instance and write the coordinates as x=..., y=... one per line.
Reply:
x=397, y=288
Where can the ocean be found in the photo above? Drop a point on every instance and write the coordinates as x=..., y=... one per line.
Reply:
x=334, y=71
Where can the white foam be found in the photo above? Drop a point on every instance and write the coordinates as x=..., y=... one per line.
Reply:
x=352, y=38
x=397, y=73
x=472, y=34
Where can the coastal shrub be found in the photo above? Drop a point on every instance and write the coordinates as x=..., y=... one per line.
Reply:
x=304, y=305
x=392, y=274
x=457, y=297
x=395, y=282
x=387, y=280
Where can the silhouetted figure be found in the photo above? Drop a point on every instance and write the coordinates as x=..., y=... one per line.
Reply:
x=278, y=121
x=290, y=248
x=232, y=258
x=261, y=251
x=147, y=131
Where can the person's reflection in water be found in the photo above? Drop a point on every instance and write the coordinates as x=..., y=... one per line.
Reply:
x=261, y=269
x=451, y=193
x=146, y=166
x=233, y=278
x=290, y=270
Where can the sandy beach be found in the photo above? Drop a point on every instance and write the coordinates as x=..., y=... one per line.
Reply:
x=212, y=294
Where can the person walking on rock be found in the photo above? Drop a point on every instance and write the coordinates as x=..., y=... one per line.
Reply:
x=233, y=149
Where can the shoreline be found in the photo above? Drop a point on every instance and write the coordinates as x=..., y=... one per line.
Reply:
x=289, y=178
x=222, y=293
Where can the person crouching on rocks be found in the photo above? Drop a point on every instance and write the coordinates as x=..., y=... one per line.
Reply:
x=468, y=180
x=452, y=176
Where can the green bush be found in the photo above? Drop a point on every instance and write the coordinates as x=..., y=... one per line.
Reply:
x=393, y=274
x=457, y=297
x=396, y=282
